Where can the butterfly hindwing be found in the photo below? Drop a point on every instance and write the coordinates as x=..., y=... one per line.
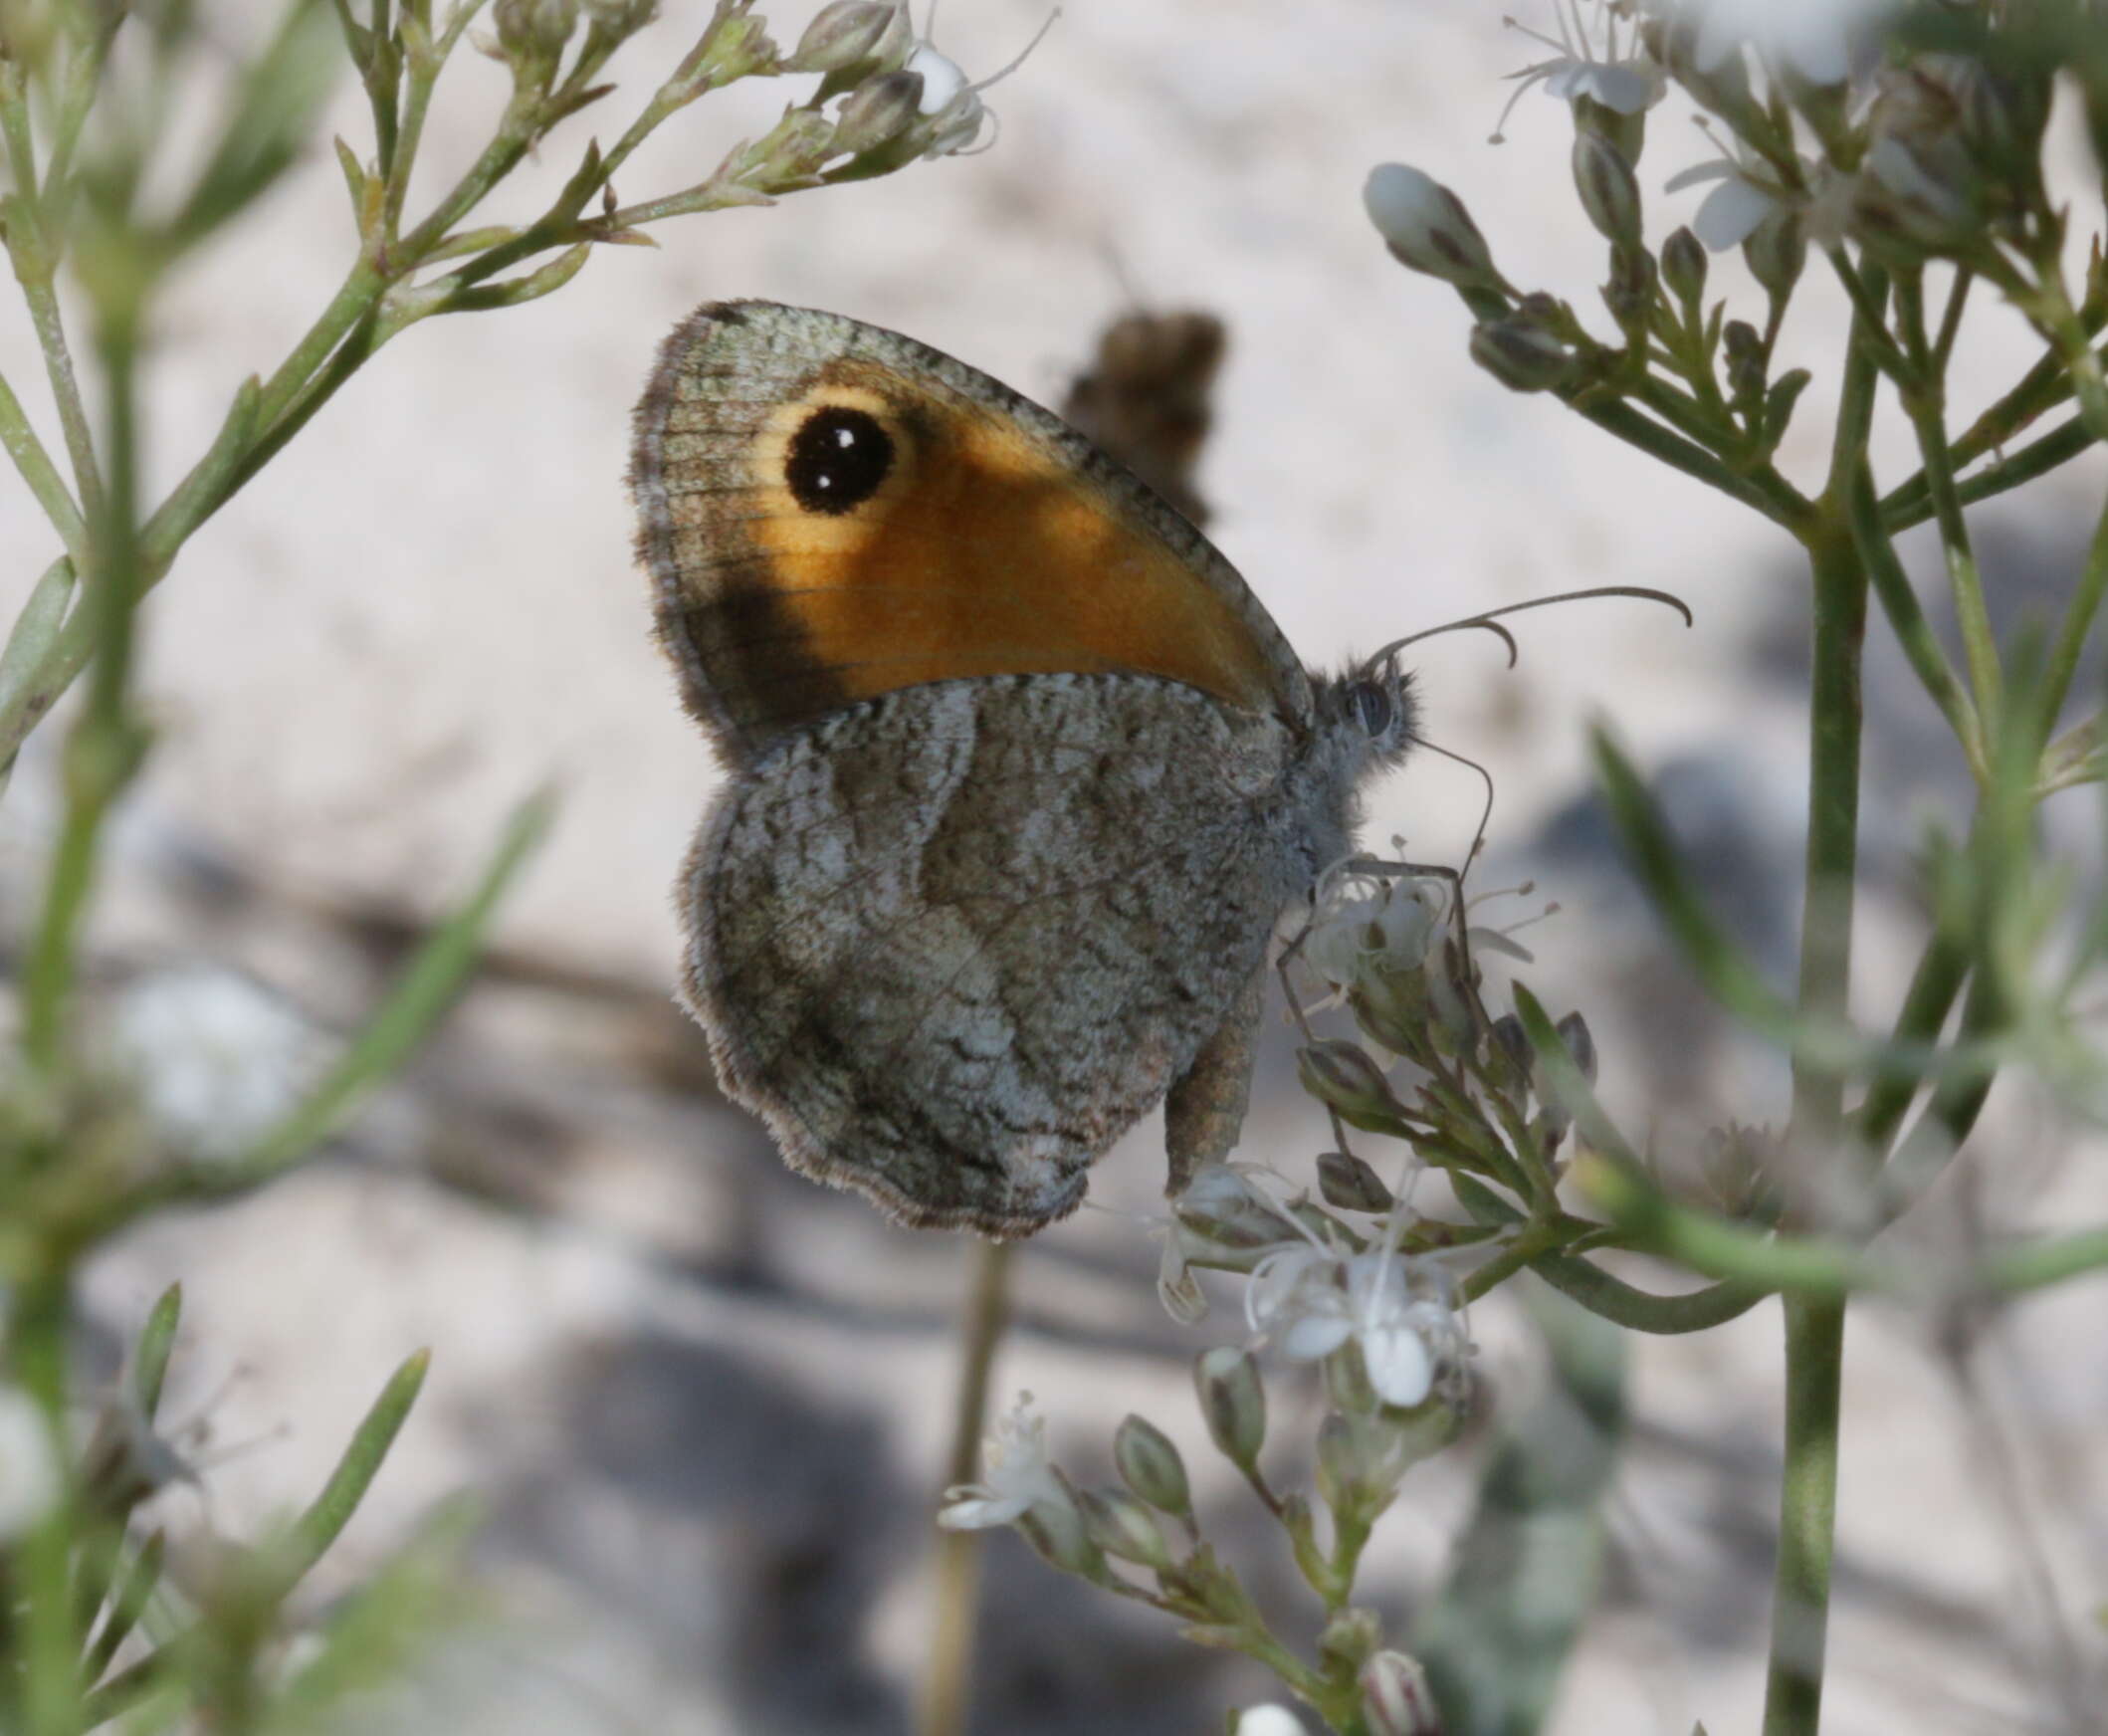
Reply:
x=950, y=941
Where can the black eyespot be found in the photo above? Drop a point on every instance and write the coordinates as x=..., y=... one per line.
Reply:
x=1371, y=707
x=838, y=459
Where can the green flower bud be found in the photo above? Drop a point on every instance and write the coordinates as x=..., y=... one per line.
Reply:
x=1150, y=1466
x=1520, y=354
x=620, y=19
x=1778, y=403
x=1573, y=1032
x=1775, y=251
x=1426, y=227
x=1609, y=193
x=531, y=35
x=1511, y=1044
x=1745, y=358
x=1349, y=1638
x=1339, y=1074
x=1348, y=1387
x=1351, y=1184
x=1627, y=133
x=1630, y=294
x=1391, y=1006
x=1056, y=1531
x=1123, y=1527
x=1683, y=267
x=1396, y=1697
x=1361, y=1461
x=848, y=33
x=878, y=112
x=790, y=154
x=1233, y=1401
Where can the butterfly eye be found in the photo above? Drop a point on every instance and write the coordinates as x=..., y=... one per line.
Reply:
x=838, y=459
x=1371, y=705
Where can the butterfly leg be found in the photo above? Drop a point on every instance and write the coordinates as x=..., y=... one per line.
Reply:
x=1204, y=1111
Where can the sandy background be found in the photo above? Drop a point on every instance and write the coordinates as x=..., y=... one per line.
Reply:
x=705, y=1405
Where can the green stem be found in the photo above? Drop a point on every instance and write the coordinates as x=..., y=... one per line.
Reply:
x=1870, y=336
x=1979, y=645
x=2073, y=632
x=103, y=748
x=946, y=1685
x=43, y=300
x=2058, y=320
x=1832, y=862
x=1933, y=986
x=1764, y=489
x=1911, y=503
x=1870, y=539
x=1814, y=1340
x=1951, y=318
x=38, y=1321
x=2039, y=1264
x=1815, y=1331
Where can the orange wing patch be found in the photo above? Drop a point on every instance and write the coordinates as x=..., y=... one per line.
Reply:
x=870, y=530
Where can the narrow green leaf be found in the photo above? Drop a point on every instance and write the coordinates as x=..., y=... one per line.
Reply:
x=331, y=1511
x=427, y=989
x=125, y=1608
x=156, y=1340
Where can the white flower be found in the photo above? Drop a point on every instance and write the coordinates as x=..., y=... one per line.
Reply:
x=1367, y=922
x=1813, y=37
x=951, y=104
x=1625, y=83
x=1269, y=1720
x=1016, y=1476
x=942, y=76
x=1397, y=1309
x=1221, y=1216
x=218, y=1059
x=29, y=1471
x=1426, y=226
x=1729, y=215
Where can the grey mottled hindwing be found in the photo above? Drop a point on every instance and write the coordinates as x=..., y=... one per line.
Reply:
x=952, y=941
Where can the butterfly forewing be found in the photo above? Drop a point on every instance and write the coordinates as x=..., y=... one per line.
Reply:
x=831, y=511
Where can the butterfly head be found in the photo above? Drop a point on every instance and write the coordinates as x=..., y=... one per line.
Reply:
x=1371, y=710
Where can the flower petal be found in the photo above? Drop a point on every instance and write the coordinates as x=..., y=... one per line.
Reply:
x=1719, y=168
x=1730, y=213
x=1313, y=1335
x=979, y=1513
x=1625, y=89
x=1399, y=1367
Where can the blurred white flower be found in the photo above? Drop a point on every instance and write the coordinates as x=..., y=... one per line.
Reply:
x=1622, y=78
x=29, y=1471
x=1398, y=1310
x=1269, y=1720
x=1814, y=37
x=217, y=1058
x=1015, y=1475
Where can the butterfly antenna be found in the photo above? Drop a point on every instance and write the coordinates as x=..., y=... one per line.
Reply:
x=1487, y=619
x=1478, y=840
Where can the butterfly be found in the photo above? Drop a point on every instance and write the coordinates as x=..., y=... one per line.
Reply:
x=1020, y=776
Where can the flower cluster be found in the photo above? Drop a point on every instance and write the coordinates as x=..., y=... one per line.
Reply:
x=1831, y=123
